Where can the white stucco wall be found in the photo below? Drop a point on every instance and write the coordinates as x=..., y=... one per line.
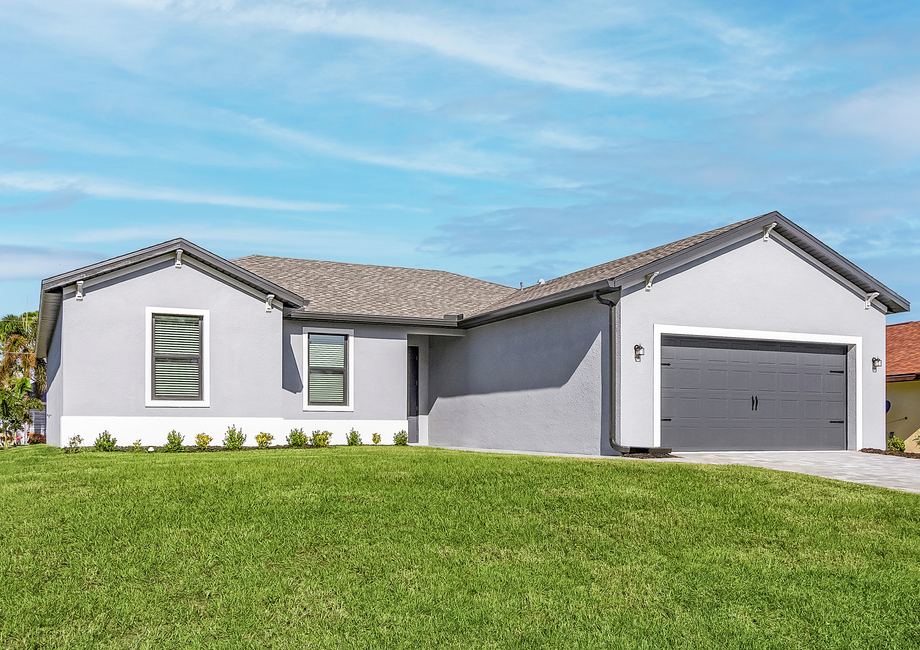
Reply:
x=255, y=372
x=761, y=286
x=536, y=382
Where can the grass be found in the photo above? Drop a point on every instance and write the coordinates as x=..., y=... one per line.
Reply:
x=422, y=548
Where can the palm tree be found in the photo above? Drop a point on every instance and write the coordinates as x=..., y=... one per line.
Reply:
x=18, y=337
x=15, y=402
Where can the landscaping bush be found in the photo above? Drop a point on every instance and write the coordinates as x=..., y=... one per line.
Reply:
x=73, y=445
x=105, y=442
x=136, y=446
x=37, y=439
x=203, y=440
x=174, y=441
x=297, y=438
x=264, y=440
x=376, y=438
x=353, y=438
x=320, y=438
x=235, y=438
x=895, y=444
x=401, y=438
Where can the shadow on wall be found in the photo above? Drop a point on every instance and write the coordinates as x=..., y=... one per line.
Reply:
x=523, y=356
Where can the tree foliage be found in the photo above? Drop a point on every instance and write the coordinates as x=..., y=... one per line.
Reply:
x=18, y=338
x=15, y=402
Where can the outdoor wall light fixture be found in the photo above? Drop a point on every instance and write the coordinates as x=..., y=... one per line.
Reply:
x=876, y=364
x=639, y=351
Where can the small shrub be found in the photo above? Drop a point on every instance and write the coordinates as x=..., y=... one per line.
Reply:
x=235, y=438
x=895, y=444
x=320, y=438
x=174, y=441
x=296, y=438
x=264, y=440
x=401, y=438
x=353, y=438
x=136, y=446
x=37, y=439
x=203, y=440
x=105, y=442
x=74, y=444
x=376, y=438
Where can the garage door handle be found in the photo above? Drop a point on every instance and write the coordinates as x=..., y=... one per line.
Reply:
x=665, y=419
x=836, y=421
x=752, y=402
x=757, y=402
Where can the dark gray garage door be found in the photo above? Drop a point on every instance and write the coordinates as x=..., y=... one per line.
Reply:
x=725, y=394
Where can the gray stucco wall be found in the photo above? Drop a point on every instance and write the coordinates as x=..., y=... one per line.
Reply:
x=537, y=382
x=54, y=397
x=762, y=286
x=103, y=338
x=380, y=373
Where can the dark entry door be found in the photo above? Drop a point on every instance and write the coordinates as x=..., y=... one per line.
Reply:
x=412, y=407
x=729, y=394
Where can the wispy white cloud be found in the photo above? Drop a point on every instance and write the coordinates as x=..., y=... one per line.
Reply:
x=31, y=262
x=103, y=189
x=886, y=114
x=450, y=158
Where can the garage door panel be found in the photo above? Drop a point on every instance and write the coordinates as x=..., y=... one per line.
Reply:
x=751, y=395
x=789, y=382
x=741, y=380
x=766, y=380
x=717, y=379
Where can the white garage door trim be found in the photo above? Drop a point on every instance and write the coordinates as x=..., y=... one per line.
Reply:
x=718, y=332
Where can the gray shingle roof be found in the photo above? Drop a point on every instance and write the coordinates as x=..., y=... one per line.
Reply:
x=363, y=289
x=604, y=271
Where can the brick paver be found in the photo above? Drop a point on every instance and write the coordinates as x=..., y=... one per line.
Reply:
x=871, y=469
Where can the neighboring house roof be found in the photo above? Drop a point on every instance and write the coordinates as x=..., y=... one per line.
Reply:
x=903, y=351
x=362, y=289
x=630, y=270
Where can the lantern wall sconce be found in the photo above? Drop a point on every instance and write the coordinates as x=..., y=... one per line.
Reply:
x=639, y=351
x=876, y=364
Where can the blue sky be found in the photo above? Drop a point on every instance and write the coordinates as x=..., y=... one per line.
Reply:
x=509, y=141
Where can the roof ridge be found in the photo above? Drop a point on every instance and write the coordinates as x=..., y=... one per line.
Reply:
x=378, y=266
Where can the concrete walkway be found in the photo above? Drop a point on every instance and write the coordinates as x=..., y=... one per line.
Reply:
x=871, y=469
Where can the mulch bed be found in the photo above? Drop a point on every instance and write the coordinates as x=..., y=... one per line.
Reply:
x=888, y=452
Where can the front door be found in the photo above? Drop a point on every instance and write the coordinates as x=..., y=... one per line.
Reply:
x=412, y=391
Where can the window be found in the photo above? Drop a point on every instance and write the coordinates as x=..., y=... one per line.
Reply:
x=177, y=360
x=328, y=366
x=328, y=369
x=177, y=357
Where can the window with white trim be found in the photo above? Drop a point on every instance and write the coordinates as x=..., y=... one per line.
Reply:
x=177, y=357
x=328, y=369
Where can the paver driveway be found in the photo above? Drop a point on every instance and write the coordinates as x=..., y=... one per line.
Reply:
x=872, y=469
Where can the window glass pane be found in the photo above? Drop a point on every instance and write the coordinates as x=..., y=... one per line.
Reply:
x=327, y=351
x=327, y=388
x=176, y=335
x=176, y=378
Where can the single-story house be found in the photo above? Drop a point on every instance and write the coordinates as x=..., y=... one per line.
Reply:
x=903, y=375
x=752, y=336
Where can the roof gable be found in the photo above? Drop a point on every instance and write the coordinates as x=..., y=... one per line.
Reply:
x=629, y=270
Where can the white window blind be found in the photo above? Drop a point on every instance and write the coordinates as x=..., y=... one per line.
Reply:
x=327, y=369
x=176, y=357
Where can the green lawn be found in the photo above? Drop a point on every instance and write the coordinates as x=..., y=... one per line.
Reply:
x=425, y=548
